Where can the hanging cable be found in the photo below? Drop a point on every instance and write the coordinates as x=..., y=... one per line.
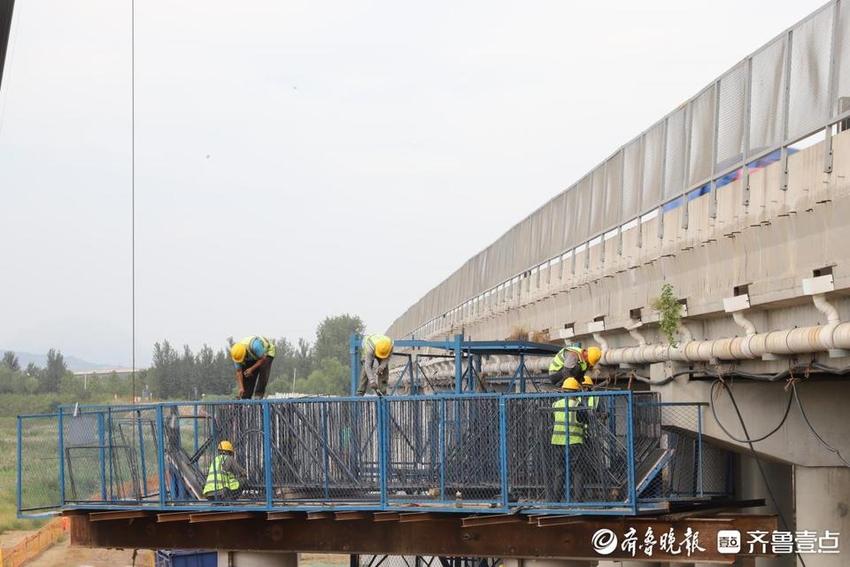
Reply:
x=786, y=526
x=826, y=445
x=712, y=400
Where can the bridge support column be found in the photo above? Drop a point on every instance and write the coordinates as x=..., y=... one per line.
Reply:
x=822, y=501
x=256, y=559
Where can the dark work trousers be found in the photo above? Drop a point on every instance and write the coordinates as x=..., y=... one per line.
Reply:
x=557, y=472
x=255, y=384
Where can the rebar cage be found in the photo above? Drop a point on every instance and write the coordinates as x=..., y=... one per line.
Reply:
x=486, y=453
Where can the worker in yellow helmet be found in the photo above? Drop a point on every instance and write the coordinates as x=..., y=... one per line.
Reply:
x=375, y=353
x=223, y=479
x=568, y=429
x=573, y=361
x=253, y=357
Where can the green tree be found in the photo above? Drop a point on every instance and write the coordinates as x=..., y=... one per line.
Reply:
x=164, y=370
x=56, y=368
x=333, y=335
x=10, y=361
x=330, y=378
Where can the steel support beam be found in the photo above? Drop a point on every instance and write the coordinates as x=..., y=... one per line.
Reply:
x=446, y=537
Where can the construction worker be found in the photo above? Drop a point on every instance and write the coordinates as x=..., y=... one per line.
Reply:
x=568, y=429
x=223, y=479
x=253, y=357
x=573, y=361
x=375, y=353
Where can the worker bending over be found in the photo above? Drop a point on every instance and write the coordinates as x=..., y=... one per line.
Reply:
x=573, y=362
x=223, y=479
x=253, y=358
x=375, y=355
x=570, y=418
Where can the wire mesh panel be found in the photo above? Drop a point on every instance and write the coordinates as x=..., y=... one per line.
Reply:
x=613, y=190
x=808, y=105
x=730, y=118
x=653, y=166
x=767, y=96
x=111, y=456
x=675, y=148
x=841, y=104
x=597, y=205
x=38, y=464
x=325, y=450
x=443, y=450
x=701, y=145
x=632, y=178
x=568, y=450
x=581, y=204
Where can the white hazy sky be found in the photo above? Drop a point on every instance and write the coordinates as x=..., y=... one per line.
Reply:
x=298, y=158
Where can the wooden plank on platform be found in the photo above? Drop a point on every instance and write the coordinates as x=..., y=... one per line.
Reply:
x=406, y=517
x=173, y=517
x=117, y=515
x=352, y=515
x=492, y=520
x=283, y=515
x=385, y=517
x=204, y=517
x=545, y=521
x=320, y=515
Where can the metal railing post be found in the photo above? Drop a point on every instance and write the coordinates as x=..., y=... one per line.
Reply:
x=458, y=364
x=61, y=446
x=101, y=440
x=326, y=466
x=503, y=449
x=160, y=441
x=111, y=456
x=442, y=432
x=383, y=446
x=567, y=473
x=353, y=350
x=19, y=467
x=630, y=450
x=142, y=455
x=267, y=453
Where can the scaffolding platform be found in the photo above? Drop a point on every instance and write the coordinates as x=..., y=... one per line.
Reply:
x=445, y=453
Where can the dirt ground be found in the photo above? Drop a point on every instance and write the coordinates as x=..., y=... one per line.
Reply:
x=63, y=555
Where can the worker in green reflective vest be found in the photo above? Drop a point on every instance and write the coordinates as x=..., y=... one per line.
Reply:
x=223, y=479
x=568, y=429
x=573, y=361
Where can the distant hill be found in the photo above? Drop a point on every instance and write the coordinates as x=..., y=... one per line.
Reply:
x=74, y=364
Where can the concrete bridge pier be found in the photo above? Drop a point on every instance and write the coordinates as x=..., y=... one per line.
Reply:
x=822, y=502
x=256, y=559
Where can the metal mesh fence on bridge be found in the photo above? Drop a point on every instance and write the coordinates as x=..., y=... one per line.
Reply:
x=601, y=452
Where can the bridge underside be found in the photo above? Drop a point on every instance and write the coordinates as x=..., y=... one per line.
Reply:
x=416, y=533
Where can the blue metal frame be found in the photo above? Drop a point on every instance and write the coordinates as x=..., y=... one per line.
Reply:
x=435, y=459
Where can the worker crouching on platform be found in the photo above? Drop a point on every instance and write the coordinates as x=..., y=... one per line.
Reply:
x=375, y=355
x=225, y=477
x=568, y=430
x=573, y=361
x=253, y=357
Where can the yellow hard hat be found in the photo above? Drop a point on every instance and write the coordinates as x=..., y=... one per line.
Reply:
x=237, y=353
x=225, y=446
x=588, y=381
x=594, y=353
x=383, y=347
x=571, y=384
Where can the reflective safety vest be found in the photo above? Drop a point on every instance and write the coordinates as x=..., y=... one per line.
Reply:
x=218, y=479
x=558, y=360
x=564, y=418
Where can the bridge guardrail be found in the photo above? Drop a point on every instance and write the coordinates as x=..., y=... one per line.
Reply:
x=465, y=453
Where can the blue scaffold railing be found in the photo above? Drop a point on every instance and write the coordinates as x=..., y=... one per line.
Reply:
x=606, y=452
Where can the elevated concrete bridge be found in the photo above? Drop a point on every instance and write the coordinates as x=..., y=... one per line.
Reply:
x=740, y=200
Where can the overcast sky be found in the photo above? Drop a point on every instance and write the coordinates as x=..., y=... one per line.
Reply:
x=297, y=159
